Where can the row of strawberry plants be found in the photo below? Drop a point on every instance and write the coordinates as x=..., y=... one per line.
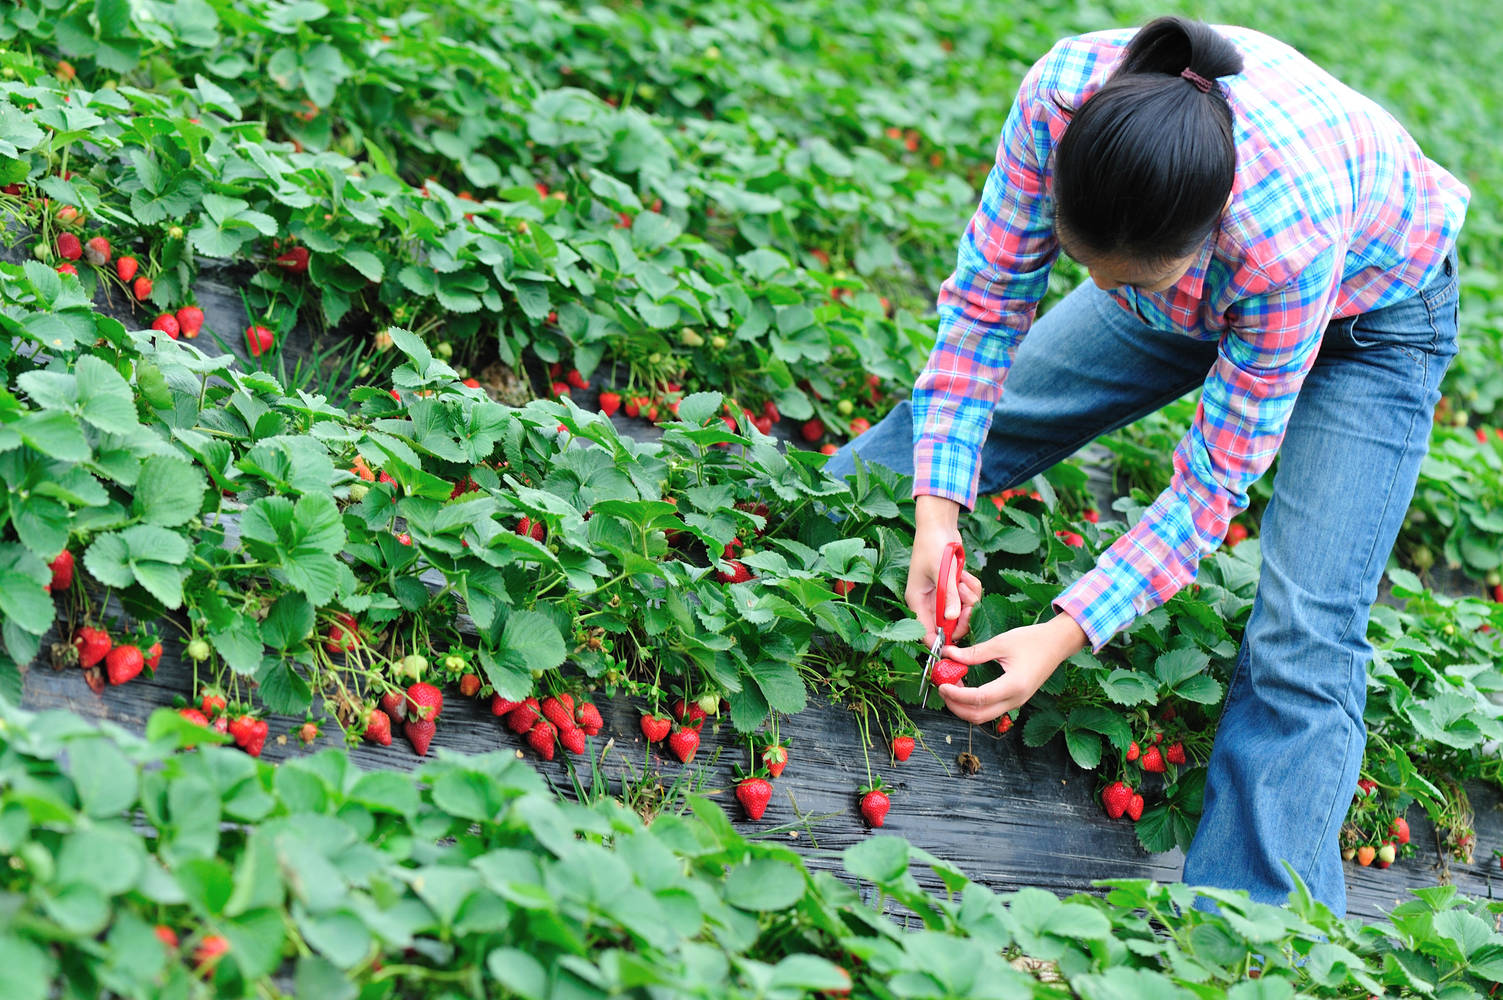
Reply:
x=706, y=567
x=172, y=867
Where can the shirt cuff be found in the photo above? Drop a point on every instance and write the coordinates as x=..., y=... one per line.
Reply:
x=946, y=469
x=1102, y=604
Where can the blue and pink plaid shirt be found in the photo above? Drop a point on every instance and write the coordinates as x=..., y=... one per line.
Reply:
x=1335, y=211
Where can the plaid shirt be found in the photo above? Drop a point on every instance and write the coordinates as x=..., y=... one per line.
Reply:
x=1334, y=212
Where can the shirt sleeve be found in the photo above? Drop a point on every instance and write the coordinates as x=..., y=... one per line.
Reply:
x=985, y=308
x=1238, y=427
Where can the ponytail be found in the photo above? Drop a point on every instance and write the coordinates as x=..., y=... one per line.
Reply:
x=1147, y=162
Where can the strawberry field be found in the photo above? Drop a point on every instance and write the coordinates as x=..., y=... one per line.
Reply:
x=446, y=389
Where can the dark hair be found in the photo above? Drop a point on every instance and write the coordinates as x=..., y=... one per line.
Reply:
x=1146, y=163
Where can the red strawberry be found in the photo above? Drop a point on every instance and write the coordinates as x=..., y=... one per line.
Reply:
x=828, y=449
x=572, y=738
x=167, y=936
x=655, y=727
x=562, y=389
x=555, y=712
x=222, y=724
x=775, y=758
x=860, y=426
x=684, y=743
x=1094, y=516
x=949, y=672
x=66, y=268
x=1135, y=807
x=1116, y=797
x=242, y=728
x=1236, y=533
x=690, y=714
x=1176, y=753
x=469, y=684
x=126, y=267
x=632, y=406
x=259, y=730
x=472, y=383
x=194, y=716
x=1071, y=539
x=902, y=748
x=424, y=701
x=93, y=645
x=123, y=663
x=68, y=247
x=844, y=587
x=1133, y=751
x=141, y=288
x=378, y=728
x=190, y=319
x=258, y=340
x=812, y=430
x=610, y=402
x=588, y=718
x=154, y=655
x=738, y=572
x=576, y=379
x=294, y=261
x=97, y=251
x=212, y=704
x=770, y=411
x=420, y=734
x=541, y=738
x=62, y=572
x=502, y=706
x=535, y=529
x=1366, y=786
x=523, y=716
x=1399, y=830
x=754, y=794
x=166, y=323
x=1003, y=725
x=1153, y=760
x=874, y=806
x=343, y=635
x=210, y=950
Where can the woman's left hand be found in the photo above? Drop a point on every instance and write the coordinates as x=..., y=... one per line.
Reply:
x=1029, y=655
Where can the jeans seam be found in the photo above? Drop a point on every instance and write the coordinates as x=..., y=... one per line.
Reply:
x=1349, y=701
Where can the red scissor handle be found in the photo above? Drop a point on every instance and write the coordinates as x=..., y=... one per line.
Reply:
x=950, y=565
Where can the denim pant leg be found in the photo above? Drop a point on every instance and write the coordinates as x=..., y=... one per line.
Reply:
x=1088, y=366
x=1290, y=742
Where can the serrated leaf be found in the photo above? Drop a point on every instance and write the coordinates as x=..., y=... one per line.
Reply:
x=168, y=492
x=531, y=638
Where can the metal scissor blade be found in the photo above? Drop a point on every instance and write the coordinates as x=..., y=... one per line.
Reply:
x=929, y=666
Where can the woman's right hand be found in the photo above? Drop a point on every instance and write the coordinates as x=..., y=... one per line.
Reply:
x=936, y=525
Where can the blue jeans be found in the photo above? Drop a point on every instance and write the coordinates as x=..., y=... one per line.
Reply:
x=1290, y=741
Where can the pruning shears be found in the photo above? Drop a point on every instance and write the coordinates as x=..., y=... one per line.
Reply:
x=950, y=565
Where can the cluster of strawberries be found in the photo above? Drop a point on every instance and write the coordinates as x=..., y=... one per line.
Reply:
x=100, y=656
x=185, y=322
x=546, y=724
x=1366, y=845
x=248, y=732
x=1154, y=757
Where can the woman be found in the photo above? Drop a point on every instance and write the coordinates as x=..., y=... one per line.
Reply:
x=1253, y=227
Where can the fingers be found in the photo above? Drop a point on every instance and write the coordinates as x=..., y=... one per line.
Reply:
x=976, y=705
x=979, y=653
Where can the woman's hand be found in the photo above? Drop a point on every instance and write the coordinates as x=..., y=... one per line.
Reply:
x=936, y=525
x=1028, y=656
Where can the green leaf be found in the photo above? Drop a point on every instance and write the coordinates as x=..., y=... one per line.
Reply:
x=533, y=639
x=105, y=780
x=105, y=399
x=764, y=884
x=517, y=972
x=169, y=491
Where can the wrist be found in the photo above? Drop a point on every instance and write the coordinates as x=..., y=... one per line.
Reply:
x=936, y=512
x=1069, y=637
